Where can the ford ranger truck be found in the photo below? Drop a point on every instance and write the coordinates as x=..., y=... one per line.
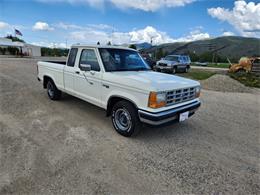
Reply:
x=118, y=80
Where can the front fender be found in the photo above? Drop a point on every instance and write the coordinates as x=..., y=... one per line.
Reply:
x=140, y=100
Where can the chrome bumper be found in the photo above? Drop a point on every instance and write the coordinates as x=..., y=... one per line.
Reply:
x=168, y=115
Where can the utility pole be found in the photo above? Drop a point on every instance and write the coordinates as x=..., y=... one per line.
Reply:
x=152, y=45
x=112, y=34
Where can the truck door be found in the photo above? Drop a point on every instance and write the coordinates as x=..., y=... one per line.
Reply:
x=87, y=84
x=69, y=71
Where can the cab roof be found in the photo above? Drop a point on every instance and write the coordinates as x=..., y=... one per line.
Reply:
x=100, y=46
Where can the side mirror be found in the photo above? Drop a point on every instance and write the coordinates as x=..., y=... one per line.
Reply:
x=85, y=67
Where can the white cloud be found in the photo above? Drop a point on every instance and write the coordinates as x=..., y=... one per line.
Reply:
x=93, y=36
x=228, y=33
x=149, y=5
x=101, y=26
x=42, y=26
x=135, y=36
x=89, y=36
x=245, y=17
x=67, y=26
x=4, y=25
x=148, y=33
x=50, y=44
x=194, y=35
x=145, y=5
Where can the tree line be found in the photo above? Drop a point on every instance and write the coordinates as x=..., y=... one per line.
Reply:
x=46, y=51
x=203, y=57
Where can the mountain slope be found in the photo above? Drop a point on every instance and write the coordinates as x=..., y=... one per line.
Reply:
x=232, y=47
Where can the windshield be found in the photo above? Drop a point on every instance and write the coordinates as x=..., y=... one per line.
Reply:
x=172, y=58
x=122, y=60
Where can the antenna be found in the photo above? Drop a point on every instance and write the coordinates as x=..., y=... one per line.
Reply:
x=112, y=34
x=152, y=39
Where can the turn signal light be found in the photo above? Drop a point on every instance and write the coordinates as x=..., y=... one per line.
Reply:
x=157, y=100
x=197, y=92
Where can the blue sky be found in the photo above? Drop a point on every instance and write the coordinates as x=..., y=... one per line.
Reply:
x=55, y=22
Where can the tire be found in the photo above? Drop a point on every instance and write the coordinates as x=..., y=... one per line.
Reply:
x=125, y=119
x=174, y=70
x=186, y=69
x=52, y=91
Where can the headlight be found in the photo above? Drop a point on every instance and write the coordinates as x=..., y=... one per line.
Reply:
x=197, y=91
x=157, y=99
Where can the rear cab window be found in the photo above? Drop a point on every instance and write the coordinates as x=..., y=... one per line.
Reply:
x=72, y=57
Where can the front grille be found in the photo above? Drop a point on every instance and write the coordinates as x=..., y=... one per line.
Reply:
x=180, y=95
x=162, y=64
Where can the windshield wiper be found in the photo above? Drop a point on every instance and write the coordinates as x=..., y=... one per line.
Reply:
x=133, y=69
x=138, y=69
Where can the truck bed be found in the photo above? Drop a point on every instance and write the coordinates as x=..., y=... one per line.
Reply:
x=57, y=62
x=54, y=70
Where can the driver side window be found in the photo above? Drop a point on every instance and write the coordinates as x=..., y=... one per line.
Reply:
x=88, y=56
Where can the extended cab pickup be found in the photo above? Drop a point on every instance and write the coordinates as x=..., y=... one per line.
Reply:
x=118, y=80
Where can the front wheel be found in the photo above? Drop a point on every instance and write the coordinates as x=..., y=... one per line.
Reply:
x=125, y=119
x=174, y=70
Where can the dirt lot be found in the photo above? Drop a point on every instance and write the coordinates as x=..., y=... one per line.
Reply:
x=70, y=147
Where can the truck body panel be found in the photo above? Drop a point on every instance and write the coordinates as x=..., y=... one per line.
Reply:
x=98, y=85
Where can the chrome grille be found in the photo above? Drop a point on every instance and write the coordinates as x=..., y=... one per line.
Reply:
x=162, y=64
x=180, y=95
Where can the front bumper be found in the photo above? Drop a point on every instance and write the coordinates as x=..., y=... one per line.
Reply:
x=164, y=67
x=168, y=115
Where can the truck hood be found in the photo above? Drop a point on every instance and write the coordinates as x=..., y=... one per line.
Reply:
x=168, y=62
x=149, y=80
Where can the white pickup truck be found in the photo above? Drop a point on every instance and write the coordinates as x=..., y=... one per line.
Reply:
x=118, y=80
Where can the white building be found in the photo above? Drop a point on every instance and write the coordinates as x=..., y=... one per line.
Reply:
x=27, y=49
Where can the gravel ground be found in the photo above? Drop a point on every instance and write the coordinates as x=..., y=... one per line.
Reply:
x=221, y=82
x=70, y=147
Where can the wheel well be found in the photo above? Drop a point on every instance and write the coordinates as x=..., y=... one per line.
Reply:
x=45, y=81
x=113, y=100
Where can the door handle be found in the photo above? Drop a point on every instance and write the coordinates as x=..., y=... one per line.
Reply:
x=77, y=72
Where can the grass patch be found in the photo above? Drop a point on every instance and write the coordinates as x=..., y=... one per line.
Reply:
x=197, y=74
x=213, y=65
x=219, y=65
x=248, y=79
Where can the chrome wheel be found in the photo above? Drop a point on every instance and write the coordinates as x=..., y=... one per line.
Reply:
x=122, y=119
x=50, y=88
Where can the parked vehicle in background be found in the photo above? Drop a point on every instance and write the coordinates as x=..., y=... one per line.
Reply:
x=173, y=63
x=118, y=80
x=149, y=60
x=187, y=60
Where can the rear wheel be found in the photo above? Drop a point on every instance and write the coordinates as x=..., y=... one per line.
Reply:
x=186, y=69
x=125, y=119
x=52, y=91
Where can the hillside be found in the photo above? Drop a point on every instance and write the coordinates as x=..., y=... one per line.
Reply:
x=232, y=47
